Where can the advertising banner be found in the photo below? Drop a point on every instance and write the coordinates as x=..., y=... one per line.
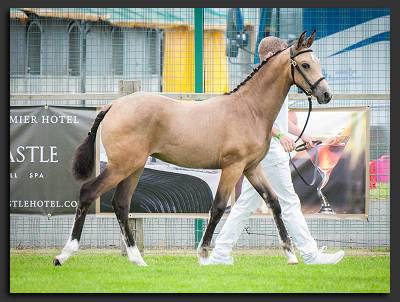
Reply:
x=43, y=141
x=341, y=161
x=42, y=144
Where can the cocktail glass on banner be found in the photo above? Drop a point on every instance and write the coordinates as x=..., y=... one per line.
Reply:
x=328, y=154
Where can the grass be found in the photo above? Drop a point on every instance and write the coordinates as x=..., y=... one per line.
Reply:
x=108, y=272
x=381, y=192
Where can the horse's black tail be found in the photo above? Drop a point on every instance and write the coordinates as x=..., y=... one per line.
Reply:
x=83, y=162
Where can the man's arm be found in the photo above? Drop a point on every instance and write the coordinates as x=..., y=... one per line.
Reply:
x=275, y=131
x=286, y=142
x=295, y=130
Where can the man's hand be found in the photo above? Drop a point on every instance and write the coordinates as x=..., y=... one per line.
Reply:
x=308, y=140
x=287, y=143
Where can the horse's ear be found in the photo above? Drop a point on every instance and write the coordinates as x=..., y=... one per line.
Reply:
x=310, y=40
x=301, y=39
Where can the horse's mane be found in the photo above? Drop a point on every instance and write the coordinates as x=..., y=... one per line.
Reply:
x=255, y=70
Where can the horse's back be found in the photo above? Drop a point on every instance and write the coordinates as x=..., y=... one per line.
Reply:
x=141, y=112
x=148, y=123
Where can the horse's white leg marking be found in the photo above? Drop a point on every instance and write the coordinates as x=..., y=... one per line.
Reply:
x=134, y=255
x=132, y=251
x=70, y=247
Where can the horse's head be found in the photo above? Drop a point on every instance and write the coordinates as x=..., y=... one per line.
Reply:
x=306, y=70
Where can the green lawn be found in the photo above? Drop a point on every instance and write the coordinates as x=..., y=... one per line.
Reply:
x=106, y=272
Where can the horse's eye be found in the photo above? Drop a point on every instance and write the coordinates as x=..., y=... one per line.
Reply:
x=305, y=65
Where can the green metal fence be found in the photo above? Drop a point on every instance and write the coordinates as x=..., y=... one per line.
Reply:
x=56, y=53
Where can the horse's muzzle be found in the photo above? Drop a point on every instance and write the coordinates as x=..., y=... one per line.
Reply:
x=325, y=98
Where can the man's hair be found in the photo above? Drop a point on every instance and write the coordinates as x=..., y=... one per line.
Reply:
x=270, y=44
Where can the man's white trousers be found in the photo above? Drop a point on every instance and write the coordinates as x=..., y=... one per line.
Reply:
x=279, y=176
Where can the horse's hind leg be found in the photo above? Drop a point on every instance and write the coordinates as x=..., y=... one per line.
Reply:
x=121, y=203
x=229, y=178
x=258, y=180
x=88, y=193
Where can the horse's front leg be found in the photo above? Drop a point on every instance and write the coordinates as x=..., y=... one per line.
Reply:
x=229, y=178
x=258, y=180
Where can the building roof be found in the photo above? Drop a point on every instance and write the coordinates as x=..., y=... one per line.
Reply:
x=214, y=18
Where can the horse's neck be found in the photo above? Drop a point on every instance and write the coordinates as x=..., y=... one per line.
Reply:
x=267, y=90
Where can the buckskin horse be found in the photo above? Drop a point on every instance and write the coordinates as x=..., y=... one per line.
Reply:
x=230, y=132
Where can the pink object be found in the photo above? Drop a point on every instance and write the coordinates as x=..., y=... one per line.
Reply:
x=383, y=169
x=372, y=174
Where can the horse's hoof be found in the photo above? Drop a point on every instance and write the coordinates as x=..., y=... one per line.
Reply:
x=141, y=264
x=291, y=257
x=56, y=262
x=202, y=253
x=203, y=261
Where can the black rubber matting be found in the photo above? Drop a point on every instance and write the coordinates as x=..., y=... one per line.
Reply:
x=165, y=192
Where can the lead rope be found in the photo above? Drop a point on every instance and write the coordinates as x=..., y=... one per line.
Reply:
x=302, y=147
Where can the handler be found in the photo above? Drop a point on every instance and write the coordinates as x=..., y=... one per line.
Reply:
x=276, y=167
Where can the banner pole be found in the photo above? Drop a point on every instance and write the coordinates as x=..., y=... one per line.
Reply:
x=198, y=60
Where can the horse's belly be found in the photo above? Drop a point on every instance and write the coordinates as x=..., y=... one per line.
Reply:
x=189, y=157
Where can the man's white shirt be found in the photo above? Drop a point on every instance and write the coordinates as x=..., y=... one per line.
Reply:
x=276, y=153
